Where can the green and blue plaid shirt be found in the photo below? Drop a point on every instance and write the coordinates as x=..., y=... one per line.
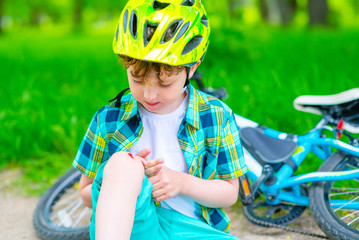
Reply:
x=208, y=136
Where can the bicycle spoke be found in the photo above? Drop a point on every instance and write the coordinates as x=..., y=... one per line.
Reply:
x=77, y=205
x=69, y=196
x=345, y=193
x=353, y=220
x=340, y=188
x=84, y=212
x=349, y=215
x=69, y=210
x=65, y=216
x=346, y=204
x=70, y=205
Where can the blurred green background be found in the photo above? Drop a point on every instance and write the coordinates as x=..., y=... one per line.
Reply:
x=57, y=69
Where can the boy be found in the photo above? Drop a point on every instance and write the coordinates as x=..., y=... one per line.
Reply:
x=163, y=161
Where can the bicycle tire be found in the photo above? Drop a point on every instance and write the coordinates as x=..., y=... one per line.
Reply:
x=44, y=226
x=323, y=213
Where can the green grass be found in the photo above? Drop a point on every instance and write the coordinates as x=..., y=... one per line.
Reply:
x=52, y=84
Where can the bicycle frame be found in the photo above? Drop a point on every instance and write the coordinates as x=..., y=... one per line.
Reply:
x=310, y=142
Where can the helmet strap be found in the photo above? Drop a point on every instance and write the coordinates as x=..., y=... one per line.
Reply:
x=118, y=97
x=187, y=77
x=184, y=89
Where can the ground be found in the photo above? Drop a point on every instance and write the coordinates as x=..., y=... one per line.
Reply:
x=16, y=217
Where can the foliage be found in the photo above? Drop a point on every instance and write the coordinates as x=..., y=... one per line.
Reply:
x=232, y=13
x=48, y=91
x=53, y=83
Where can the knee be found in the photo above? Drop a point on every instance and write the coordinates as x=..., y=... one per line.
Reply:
x=120, y=164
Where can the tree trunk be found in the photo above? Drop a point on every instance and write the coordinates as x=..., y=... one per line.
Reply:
x=1, y=15
x=287, y=10
x=232, y=8
x=35, y=16
x=277, y=11
x=318, y=11
x=77, y=14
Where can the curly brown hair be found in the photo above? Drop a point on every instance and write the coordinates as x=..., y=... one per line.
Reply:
x=142, y=68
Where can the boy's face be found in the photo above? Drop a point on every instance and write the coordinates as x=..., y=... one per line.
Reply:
x=159, y=96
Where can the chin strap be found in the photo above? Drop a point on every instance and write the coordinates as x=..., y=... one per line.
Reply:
x=118, y=97
x=187, y=78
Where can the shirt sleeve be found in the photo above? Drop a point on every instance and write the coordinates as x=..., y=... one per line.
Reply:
x=91, y=151
x=231, y=162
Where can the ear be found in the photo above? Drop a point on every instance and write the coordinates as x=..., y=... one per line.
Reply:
x=194, y=68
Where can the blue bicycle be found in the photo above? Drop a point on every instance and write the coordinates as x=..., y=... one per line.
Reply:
x=273, y=157
x=272, y=194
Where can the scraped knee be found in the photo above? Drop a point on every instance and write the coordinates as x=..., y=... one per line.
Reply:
x=122, y=165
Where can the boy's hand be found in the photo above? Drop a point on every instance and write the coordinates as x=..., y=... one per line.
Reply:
x=152, y=167
x=143, y=155
x=166, y=183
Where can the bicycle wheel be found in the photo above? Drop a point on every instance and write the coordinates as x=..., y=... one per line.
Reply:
x=330, y=201
x=60, y=213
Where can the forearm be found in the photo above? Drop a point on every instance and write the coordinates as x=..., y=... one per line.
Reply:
x=214, y=193
x=86, y=196
x=85, y=190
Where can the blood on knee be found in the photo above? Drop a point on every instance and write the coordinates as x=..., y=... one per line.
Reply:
x=123, y=161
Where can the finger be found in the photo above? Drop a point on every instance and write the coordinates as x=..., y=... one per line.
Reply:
x=144, y=153
x=143, y=161
x=158, y=193
x=161, y=197
x=154, y=179
x=152, y=171
x=154, y=162
x=156, y=182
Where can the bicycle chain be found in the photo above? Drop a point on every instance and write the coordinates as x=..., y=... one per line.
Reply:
x=272, y=225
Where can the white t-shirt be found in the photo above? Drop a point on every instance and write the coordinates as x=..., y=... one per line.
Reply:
x=160, y=134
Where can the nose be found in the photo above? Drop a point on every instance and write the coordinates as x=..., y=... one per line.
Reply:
x=150, y=93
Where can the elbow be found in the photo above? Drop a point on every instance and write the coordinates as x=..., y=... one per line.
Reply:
x=232, y=196
x=86, y=198
x=232, y=199
x=85, y=185
x=83, y=199
x=235, y=199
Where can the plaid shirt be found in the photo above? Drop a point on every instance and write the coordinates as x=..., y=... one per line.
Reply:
x=208, y=137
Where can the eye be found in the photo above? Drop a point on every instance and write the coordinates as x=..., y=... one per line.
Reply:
x=165, y=85
x=135, y=81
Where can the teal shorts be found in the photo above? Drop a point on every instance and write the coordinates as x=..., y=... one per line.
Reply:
x=156, y=223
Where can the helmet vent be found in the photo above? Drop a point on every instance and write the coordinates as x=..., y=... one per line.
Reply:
x=204, y=20
x=125, y=20
x=133, y=24
x=188, y=3
x=157, y=6
x=182, y=31
x=195, y=41
x=171, y=31
x=150, y=29
x=117, y=33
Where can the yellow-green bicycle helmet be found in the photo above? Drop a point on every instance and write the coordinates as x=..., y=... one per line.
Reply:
x=186, y=18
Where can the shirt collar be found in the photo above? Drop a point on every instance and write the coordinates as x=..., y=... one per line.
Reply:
x=129, y=104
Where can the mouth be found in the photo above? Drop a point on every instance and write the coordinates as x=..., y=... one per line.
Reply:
x=152, y=104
